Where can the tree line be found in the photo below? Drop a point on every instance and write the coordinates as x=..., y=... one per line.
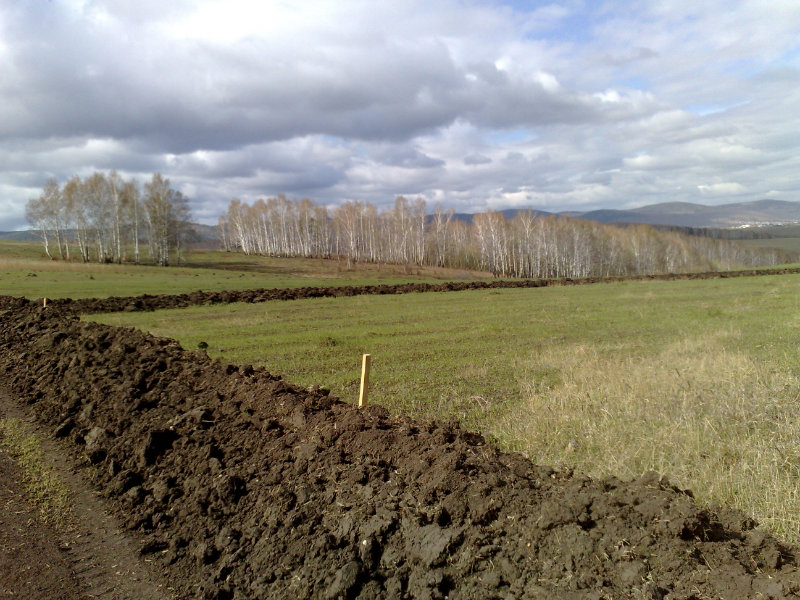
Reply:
x=106, y=218
x=523, y=246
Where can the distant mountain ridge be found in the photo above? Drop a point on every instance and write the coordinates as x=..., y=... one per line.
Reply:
x=26, y=235
x=685, y=214
x=201, y=235
x=678, y=214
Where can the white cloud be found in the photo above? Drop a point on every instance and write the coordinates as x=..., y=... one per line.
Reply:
x=726, y=188
x=472, y=104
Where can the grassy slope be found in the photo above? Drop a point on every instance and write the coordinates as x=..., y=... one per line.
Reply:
x=789, y=244
x=693, y=378
x=25, y=271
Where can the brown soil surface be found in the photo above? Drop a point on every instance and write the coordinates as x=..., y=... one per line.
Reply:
x=153, y=302
x=88, y=556
x=31, y=565
x=239, y=485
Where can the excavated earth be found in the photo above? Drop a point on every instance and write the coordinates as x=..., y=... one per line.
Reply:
x=239, y=485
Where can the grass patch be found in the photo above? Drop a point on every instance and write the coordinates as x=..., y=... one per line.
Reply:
x=715, y=419
x=44, y=488
x=788, y=244
x=21, y=250
x=697, y=379
x=25, y=271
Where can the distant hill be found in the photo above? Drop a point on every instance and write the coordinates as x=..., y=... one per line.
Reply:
x=685, y=214
x=201, y=236
x=509, y=213
x=204, y=236
x=761, y=213
x=19, y=236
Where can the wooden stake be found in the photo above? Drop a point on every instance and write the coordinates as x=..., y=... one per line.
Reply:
x=44, y=302
x=362, y=396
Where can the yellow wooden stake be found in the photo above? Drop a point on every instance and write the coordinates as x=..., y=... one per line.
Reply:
x=362, y=396
x=44, y=302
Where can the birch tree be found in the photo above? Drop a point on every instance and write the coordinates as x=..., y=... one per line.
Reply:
x=131, y=206
x=440, y=233
x=166, y=212
x=36, y=214
x=525, y=246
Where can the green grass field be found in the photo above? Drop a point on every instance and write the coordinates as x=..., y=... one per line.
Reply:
x=696, y=379
x=788, y=244
x=26, y=271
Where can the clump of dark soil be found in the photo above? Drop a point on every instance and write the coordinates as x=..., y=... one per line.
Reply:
x=243, y=486
x=153, y=302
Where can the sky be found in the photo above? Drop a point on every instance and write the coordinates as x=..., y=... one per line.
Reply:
x=470, y=104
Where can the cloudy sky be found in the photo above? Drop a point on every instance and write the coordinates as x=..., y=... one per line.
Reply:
x=569, y=105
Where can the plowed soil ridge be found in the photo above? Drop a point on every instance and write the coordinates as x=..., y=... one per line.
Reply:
x=243, y=486
x=148, y=302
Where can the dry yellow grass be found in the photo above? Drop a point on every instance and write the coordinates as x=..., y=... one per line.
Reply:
x=716, y=420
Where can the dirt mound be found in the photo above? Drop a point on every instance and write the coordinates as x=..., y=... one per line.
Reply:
x=244, y=486
x=159, y=301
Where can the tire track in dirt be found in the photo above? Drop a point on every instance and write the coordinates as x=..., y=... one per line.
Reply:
x=104, y=560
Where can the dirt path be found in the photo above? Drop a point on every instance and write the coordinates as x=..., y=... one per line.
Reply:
x=31, y=563
x=92, y=559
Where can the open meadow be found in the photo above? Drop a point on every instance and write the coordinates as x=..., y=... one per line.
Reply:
x=695, y=379
x=232, y=479
x=787, y=244
x=26, y=271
